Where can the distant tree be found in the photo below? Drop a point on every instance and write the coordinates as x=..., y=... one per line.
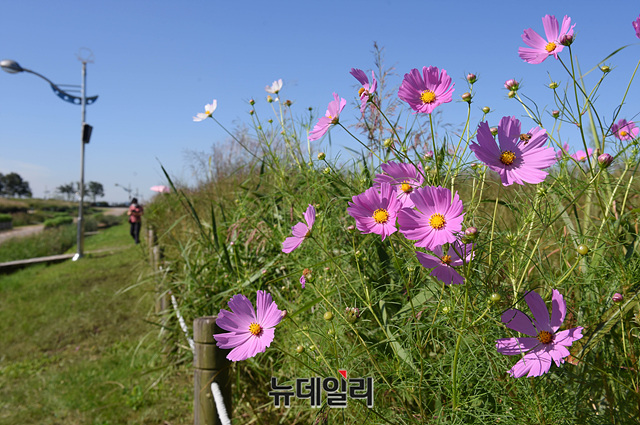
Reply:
x=95, y=189
x=13, y=185
x=1, y=184
x=67, y=189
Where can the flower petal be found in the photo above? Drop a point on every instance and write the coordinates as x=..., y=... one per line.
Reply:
x=513, y=346
x=518, y=321
x=558, y=310
x=540, y=312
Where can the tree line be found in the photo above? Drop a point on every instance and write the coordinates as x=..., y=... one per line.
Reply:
x=12, y=185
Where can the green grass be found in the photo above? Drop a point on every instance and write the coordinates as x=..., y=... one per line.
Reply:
x=76, y=348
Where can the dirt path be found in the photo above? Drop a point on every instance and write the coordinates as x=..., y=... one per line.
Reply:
x=23, y=231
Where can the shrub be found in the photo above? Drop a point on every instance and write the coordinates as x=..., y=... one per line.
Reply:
x=4, y=218
x=57, y=221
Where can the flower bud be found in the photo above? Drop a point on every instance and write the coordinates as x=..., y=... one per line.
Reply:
x=404, y=149
x=566, y=39
x=428, y=155
x=251, y=112
x=283, y=314
x=617, y=298
x=471, y=78
x=553, y=85
x=269, y=99
x=328, y=316
x=252, y=102
x=351, y=227
x=555, y=114
x=605, y=69
x=495, y=297
x=512, y=94
x=466, y=97
x=605, y=160
x=352, y=314
x=288, y=102
x=511, y=85
x=486, y=109
x=494, y=130
x=321, y=156
x=300, y=349
x=471, y=233
x=388, y=143
x=326, y=170
x=583, y=249
x=270, y=121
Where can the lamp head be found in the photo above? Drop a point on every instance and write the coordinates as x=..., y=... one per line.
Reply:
x=10, y=66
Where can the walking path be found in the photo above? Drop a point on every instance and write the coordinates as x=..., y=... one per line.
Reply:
x=23, y=231
x=12, y=265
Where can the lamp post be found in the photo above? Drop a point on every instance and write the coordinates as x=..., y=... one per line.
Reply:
x=12, y=67
x=126, y=189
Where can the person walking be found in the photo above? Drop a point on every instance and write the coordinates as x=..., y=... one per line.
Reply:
x=135, y=219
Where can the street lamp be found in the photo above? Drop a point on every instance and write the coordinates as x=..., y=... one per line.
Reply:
x=12, y=67
x=128, y=190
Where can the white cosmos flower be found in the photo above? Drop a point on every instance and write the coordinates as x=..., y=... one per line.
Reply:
x=274, y=87
x=208, y=110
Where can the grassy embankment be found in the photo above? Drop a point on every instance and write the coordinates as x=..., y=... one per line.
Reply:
x=77, y=346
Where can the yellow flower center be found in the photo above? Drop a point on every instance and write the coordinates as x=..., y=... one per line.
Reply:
x=550, y=47
x=362, y=90
x=406, y=187
x=427, y=96
x=623, y=133
x=507, y=157
x=381, y=216
x=545, y=337
x=437, y=221
x=255, y=329
x=333, y=120
x=446, y=259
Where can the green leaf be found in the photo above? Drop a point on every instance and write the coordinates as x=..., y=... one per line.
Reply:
x=611, y=317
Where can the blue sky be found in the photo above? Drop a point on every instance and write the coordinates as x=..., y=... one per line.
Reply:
x=156, y=64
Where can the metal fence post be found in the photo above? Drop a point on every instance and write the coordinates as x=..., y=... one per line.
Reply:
x=211, y=365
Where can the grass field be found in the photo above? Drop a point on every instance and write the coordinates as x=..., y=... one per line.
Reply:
x=78, y=348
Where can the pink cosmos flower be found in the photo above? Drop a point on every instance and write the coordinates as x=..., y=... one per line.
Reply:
x=331, y=117
x=520, y=157
x=427, y=91
x=437, y=219
x=636, y=26
x=539, y=49
x=545, y=343
x=250, y=332
x=375, y=212
x=366, y=91
x=403, y=177
x=300, y=231
x=208, y=110
x=625, y=130
x=579, y=156
x=562, y=152
x=443, y=264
